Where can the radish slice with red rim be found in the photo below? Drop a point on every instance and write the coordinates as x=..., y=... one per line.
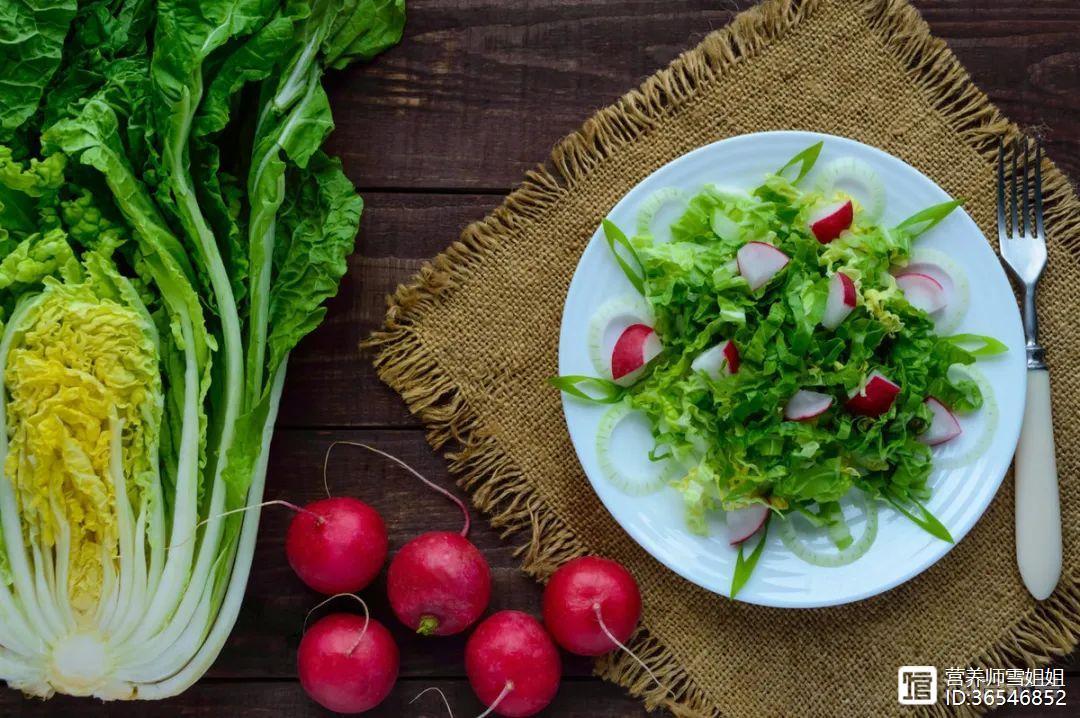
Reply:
x=745, y=522
x=944, y=425
x=953, y=280
x=759, y=262
x=805, y=405
x=608, y=324
x=857, y=180
x=840, y=301
x=874, y=397
x=620, y=438
x=922, y=291
x=634, y=349
x=977, y=428
x=829, y=222
x=720, y=360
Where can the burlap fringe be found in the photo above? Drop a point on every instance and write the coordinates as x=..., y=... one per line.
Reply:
x=501, y=490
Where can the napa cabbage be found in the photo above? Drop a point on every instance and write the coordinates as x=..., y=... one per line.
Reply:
x=169, y=230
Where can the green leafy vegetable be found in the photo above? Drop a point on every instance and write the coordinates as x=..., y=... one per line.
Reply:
x=984, y=346
x=169, y=231
x=804, y=161
x=589, y=388
x=619, y=244
x=744, y=565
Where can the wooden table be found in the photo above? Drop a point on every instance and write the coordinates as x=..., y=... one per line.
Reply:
x=435, y=133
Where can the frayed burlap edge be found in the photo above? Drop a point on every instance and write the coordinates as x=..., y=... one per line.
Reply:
x=504, y=493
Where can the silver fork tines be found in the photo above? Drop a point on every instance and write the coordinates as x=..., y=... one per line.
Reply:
x=1023, y=243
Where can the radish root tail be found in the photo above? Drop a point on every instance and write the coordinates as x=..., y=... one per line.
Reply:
x=430, y=484
x=441, y=695
x=275, y=502
x=621, y=645
x=507, y=689
x=367, y=616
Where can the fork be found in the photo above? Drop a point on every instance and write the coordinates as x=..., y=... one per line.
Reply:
x=1023, y=249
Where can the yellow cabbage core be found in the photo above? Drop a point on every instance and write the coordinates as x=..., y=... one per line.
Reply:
x=81, y=367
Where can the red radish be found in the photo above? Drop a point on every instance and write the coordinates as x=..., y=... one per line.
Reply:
x=759, y=262
x=830, y=221
x=805, y=405
x=336, y=545
x=439, y=584
x=840, y=302
x=347, y=663
x=634, y=349
x=922, y=291
x=512, y=665
x=875, y=397
x=591, y=605
x=935, y=271
x=944, y=425
x=745, y=522
x=720, y=359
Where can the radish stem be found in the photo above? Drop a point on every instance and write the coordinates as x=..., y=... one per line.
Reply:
x=505, y=692
x=432, y=485
x=441, y=695
x=242, y=509
x=367, y=616
x=620, y=644
x=427, y=626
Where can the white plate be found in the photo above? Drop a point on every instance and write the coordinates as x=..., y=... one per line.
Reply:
x=902, y=549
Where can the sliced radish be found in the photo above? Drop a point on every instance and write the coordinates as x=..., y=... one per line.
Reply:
x=759, y=262
x=608, y=324
x=718, y=360
x=951, y=277
x=805, y=404
x=634, y=349
x=943, y=427
x=875, y=397
x=828, y=222
x=745, y=522
x=922, y=291
x=840, y=302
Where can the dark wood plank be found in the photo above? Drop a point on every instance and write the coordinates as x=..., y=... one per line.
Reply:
x=262, y=699
x=479, y=91
x=330, y=384
x=1025, y=56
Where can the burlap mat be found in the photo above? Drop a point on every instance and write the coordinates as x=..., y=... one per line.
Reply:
x=470, y=344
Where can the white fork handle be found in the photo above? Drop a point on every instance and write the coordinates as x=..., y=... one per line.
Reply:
x=1038, y=510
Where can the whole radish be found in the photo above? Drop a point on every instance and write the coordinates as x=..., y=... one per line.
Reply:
x=336, y=545
x=439, y=583
x=591, y=605
x=347, y=663
x=512, y=665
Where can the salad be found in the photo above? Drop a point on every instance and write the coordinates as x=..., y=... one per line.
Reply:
x=791, y=355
